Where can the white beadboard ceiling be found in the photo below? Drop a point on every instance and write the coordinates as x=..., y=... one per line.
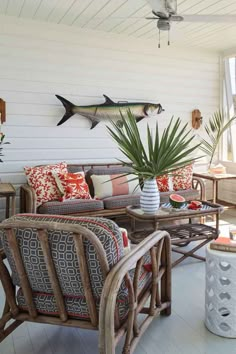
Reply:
x=127, y=17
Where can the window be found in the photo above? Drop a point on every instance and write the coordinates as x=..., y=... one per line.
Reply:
x=229, y=105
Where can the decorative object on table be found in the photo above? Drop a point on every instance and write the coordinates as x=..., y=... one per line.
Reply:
x=223, y=244
x=220, y=309
x=2, y=111
x=217, y=169
x=196, y=119
x=195, y=205
x=177, y=201
x=109, y=109
x=164, y=154
x=215, y=129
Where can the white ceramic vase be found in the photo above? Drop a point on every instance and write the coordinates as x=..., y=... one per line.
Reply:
x=150, y=197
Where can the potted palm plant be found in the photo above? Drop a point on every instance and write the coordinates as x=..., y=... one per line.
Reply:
x=216, y=127
x=163, y=155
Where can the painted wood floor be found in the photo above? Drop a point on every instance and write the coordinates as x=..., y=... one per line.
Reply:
x=181, y=333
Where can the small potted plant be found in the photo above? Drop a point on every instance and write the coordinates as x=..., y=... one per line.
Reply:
x=164, y=154
x=215, y=128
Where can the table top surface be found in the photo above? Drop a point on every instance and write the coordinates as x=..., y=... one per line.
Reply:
x=214, y=176
x=7, y=189
x=166, y=211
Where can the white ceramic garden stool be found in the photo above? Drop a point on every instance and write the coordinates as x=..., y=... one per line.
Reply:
x=220, y=296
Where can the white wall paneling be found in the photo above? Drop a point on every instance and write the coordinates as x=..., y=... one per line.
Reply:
x=39, y=60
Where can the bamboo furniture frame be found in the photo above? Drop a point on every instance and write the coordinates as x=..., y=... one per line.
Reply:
x=28, y=197
x=8, y=191
x=183, y=234
x=106, y=321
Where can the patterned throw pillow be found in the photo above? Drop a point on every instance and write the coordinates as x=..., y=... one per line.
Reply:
x=106, y=186
x=72, y=186
x=183, y=178
x=164, y=183
x=41, y=179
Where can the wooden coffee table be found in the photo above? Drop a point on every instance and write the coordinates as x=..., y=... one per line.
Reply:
x=181, y=235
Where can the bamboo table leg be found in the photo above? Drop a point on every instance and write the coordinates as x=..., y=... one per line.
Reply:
x=214, y=187
x=13, y=205
x=7, y=206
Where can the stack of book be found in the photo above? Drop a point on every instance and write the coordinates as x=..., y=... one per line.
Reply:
x=223, y=244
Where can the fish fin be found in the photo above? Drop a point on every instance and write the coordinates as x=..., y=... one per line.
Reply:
x=94, y=123
x=108, y=101
x=68, y=107
x=138, y=119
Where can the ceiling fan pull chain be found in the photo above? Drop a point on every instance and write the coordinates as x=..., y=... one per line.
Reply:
x=159, y=42
x=169, y=37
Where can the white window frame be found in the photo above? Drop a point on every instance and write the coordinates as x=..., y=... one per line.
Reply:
x=227, y=105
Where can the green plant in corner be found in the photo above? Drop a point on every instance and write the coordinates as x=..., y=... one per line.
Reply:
x=164, y=154
x=215, y=128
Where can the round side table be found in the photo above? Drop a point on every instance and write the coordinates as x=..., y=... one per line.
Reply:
x=220, y=295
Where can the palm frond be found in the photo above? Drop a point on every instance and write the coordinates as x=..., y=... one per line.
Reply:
x=164, y=153
x=215, y=128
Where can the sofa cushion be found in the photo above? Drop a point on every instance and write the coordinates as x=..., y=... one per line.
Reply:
x=189, y=194
x=72, y=186
x=112, y=185
x=74, y=206
x=41, y=179
x=183, y=178
x=113, y=170
x=121, y=201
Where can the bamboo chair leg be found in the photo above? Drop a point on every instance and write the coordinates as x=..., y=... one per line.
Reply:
x=166, y=278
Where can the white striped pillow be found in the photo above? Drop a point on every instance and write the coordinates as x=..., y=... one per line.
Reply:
x=108, y=185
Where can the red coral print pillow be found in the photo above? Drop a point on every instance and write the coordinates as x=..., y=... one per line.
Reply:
x=164, y=183
x=72, y=186
x=40, y=178
x=183, y=178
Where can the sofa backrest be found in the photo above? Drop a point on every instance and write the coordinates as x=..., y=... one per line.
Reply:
x=63, y=252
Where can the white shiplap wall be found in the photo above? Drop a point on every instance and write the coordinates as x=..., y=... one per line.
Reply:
x=39, y=60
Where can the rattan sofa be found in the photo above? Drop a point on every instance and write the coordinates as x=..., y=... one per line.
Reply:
x=72, y=271
x=108, y=207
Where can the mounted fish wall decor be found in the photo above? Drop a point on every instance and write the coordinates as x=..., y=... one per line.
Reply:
x=108, y=110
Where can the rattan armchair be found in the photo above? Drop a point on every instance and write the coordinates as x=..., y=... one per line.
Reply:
x=83, y=279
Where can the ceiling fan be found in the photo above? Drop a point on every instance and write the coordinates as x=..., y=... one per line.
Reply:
x=165, y=12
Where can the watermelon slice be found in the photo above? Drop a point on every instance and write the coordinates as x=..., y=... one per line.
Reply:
x=177, y=201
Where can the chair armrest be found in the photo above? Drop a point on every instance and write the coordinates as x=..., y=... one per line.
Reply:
x=159, y=246
x=197, y=183
x=27, y=199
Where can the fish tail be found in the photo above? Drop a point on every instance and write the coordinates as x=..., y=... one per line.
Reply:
x=68, y=107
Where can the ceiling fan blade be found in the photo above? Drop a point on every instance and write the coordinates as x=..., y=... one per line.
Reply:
x=177, y=18
x=151, y=18
x=210, y=18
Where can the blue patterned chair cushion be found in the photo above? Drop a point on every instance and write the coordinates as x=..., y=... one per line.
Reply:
x=64, y=254
x=76, y=305
x=65, y=260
